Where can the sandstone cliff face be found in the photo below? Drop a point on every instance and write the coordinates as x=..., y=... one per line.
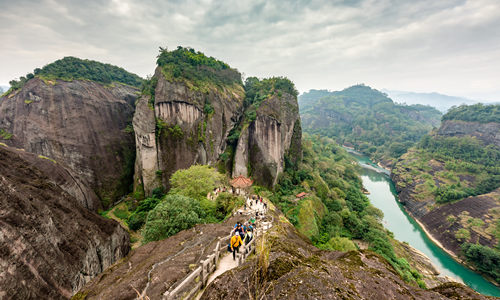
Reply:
x=264, y=143
x=78, y=123
x=51, y=246
x=488, y=133
x=186, y=127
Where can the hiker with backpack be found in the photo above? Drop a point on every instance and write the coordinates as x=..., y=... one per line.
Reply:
x=235, y=244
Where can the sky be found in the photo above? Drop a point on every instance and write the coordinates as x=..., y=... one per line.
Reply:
x=446, y=46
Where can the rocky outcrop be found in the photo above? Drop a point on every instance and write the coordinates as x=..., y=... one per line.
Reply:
x=488, y=133
x=146, y=163
x=51, y=246
x=181, y=127
x=291, y=268
x=169, y=262
x=196, y=124
x=78, y=123
x=265, y=143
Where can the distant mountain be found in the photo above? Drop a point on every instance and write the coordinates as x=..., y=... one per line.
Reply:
x=366, y=119
x=3, y=88
x=439, y=101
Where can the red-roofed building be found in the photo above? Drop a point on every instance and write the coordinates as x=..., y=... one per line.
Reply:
x=301, y=195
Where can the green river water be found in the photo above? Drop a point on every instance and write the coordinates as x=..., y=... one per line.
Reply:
x=383, y=196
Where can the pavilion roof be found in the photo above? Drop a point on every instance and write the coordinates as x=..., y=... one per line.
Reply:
x=241, y=182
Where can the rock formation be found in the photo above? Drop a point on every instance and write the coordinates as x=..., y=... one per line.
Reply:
x=51, y=245
x=185, y=119
x=291, y=268
x=185, y=127
x=79, y=123
x=266, y=141
x=488, y=133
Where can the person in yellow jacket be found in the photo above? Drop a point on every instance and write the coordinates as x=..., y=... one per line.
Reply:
x=235, y=244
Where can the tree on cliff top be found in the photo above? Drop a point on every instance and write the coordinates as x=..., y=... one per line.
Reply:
x=256, y=89
x=72, y=68
x=196, y=67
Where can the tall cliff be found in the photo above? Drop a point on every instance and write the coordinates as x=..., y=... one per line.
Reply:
x=51, y=245
x=195, y=110
x=270, y=131
x=78, y=122
x=451, y=182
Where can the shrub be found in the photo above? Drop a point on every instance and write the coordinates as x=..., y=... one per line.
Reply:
x=225, y=203
x=195, y=182
x=175, y=213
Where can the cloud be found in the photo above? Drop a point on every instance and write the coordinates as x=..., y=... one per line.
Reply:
x=448, y=46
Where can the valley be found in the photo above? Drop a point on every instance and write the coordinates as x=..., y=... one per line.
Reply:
x=79, y=137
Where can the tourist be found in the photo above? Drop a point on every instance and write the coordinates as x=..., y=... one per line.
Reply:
x=235, y=244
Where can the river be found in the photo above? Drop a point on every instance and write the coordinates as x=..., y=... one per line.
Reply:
x=383, y=196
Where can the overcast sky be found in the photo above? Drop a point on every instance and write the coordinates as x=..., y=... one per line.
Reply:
x=447, y=46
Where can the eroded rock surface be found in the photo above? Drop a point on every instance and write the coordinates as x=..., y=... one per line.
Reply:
x=183, y=126
x=294, y=269
x=78, y=123
x=488, y=133
x=50, y=244
x=274, y=134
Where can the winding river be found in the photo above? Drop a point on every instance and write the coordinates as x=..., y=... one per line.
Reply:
x=383, y=196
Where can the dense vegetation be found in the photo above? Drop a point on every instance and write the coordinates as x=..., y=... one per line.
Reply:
x=367, y=119
x=186, y=204
x=197, y=70
x=72, y=68
x=462, y=156
x=485, y=259
x=474, y=113
x=335, y=211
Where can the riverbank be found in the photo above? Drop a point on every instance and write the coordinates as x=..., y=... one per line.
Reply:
x=407, y=228
x=450, y=253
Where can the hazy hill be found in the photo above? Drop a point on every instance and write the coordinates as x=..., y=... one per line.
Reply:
x=439, y=101
x=367, y=119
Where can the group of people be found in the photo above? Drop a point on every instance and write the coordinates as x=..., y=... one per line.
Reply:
x=241, y=233
x=254, y=200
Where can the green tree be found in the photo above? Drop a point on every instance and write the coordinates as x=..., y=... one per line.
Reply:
x=195, y=182
x=173, y=214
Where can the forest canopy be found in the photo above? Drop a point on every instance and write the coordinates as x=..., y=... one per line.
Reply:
x=474, y=113
x=367, y=119
x=196, y=67
x=71, y=68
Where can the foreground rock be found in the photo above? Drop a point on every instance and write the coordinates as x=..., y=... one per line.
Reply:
x=169, y=261
x=51, y=245
x=289, y=267
x=79, y=123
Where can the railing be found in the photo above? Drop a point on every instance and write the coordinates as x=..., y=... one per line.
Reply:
x=197, y=279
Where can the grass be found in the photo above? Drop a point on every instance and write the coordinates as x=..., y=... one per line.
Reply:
x=45, y=157
x=5, y=135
